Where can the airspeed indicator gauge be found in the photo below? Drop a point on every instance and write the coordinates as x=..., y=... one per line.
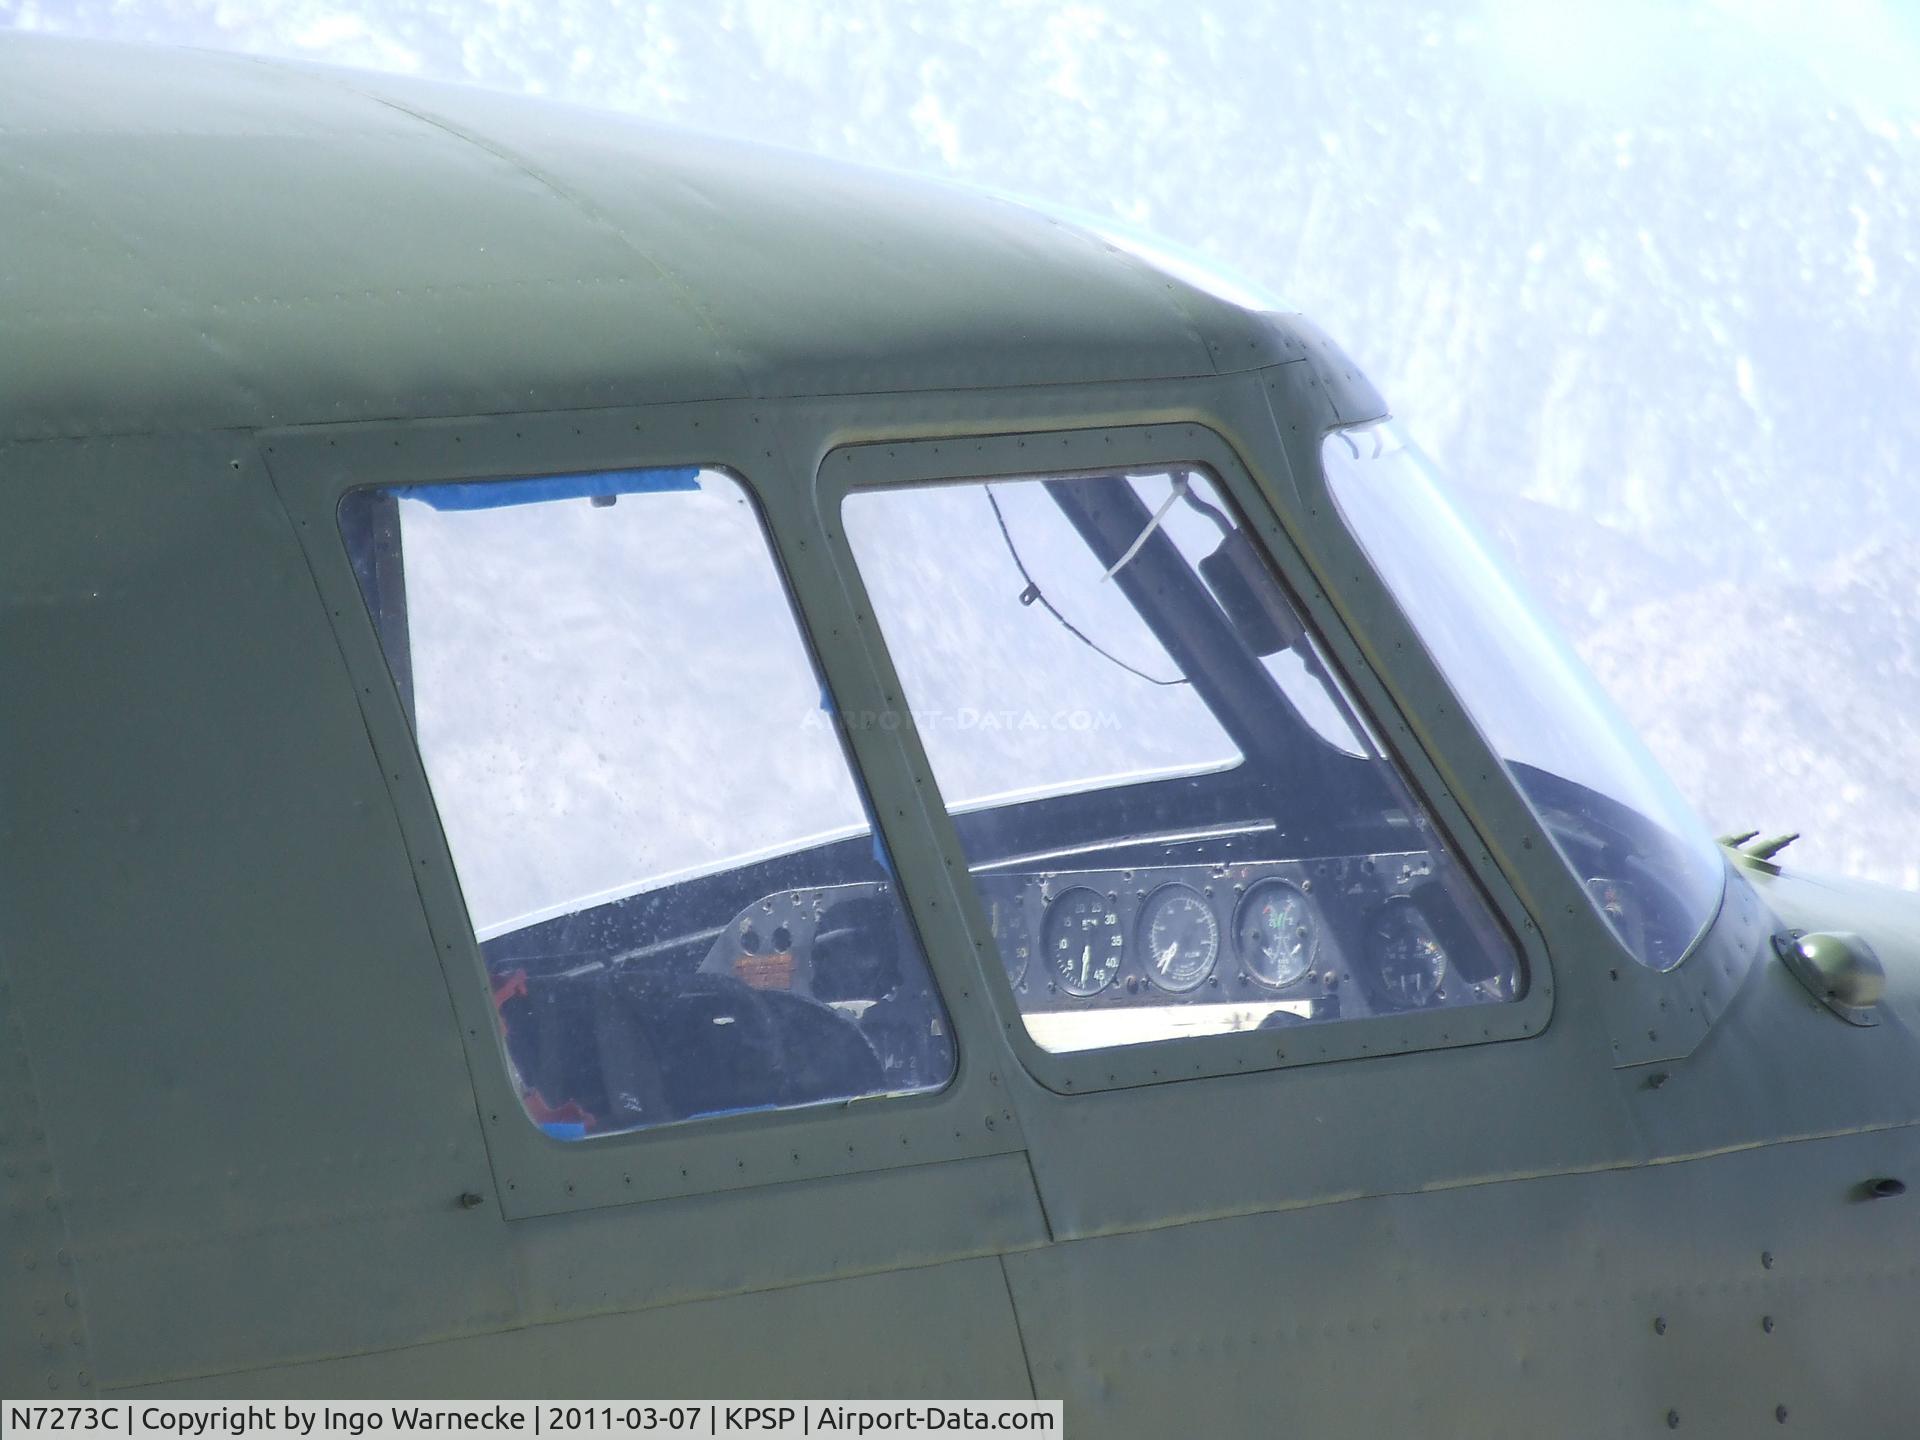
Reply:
x=1083, y=940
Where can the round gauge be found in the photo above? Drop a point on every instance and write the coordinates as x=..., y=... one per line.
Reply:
x=1083, y=940
x=1274, y=931
x=1180, y=936
x=1406, y=961
x=1008, y=918
x=1621, y=909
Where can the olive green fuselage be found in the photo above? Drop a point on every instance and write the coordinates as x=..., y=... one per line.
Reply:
x=257, y=1133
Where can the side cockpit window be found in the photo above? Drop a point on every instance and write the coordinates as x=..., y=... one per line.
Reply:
x=1176, y=818
x=682, y=904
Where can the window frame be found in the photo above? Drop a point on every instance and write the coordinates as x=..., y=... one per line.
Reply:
x=535, y=1173
x=872, y=466
x=407, y=684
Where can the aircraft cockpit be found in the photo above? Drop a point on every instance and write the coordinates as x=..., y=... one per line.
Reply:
x=1177, y=818
x=642, y=766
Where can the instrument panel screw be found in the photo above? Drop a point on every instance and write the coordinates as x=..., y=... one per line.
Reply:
x=1780, y=1414
x=1673, y=1419
x=472, y=1200
x=1659, y=1324
x=1766, y=1323
x=1766, y=1259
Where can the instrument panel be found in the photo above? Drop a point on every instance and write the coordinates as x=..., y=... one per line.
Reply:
x=1100, y=957
x=1292, y=940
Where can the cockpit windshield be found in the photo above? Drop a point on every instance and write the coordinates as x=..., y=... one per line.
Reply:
x=1646, y=860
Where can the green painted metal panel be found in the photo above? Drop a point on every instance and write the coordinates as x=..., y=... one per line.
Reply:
x=1718, y=1290
x=210, y=241
x=248, y=1070
x=945, y=1330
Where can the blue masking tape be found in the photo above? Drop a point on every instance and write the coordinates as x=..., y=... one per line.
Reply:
x=499, y=494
